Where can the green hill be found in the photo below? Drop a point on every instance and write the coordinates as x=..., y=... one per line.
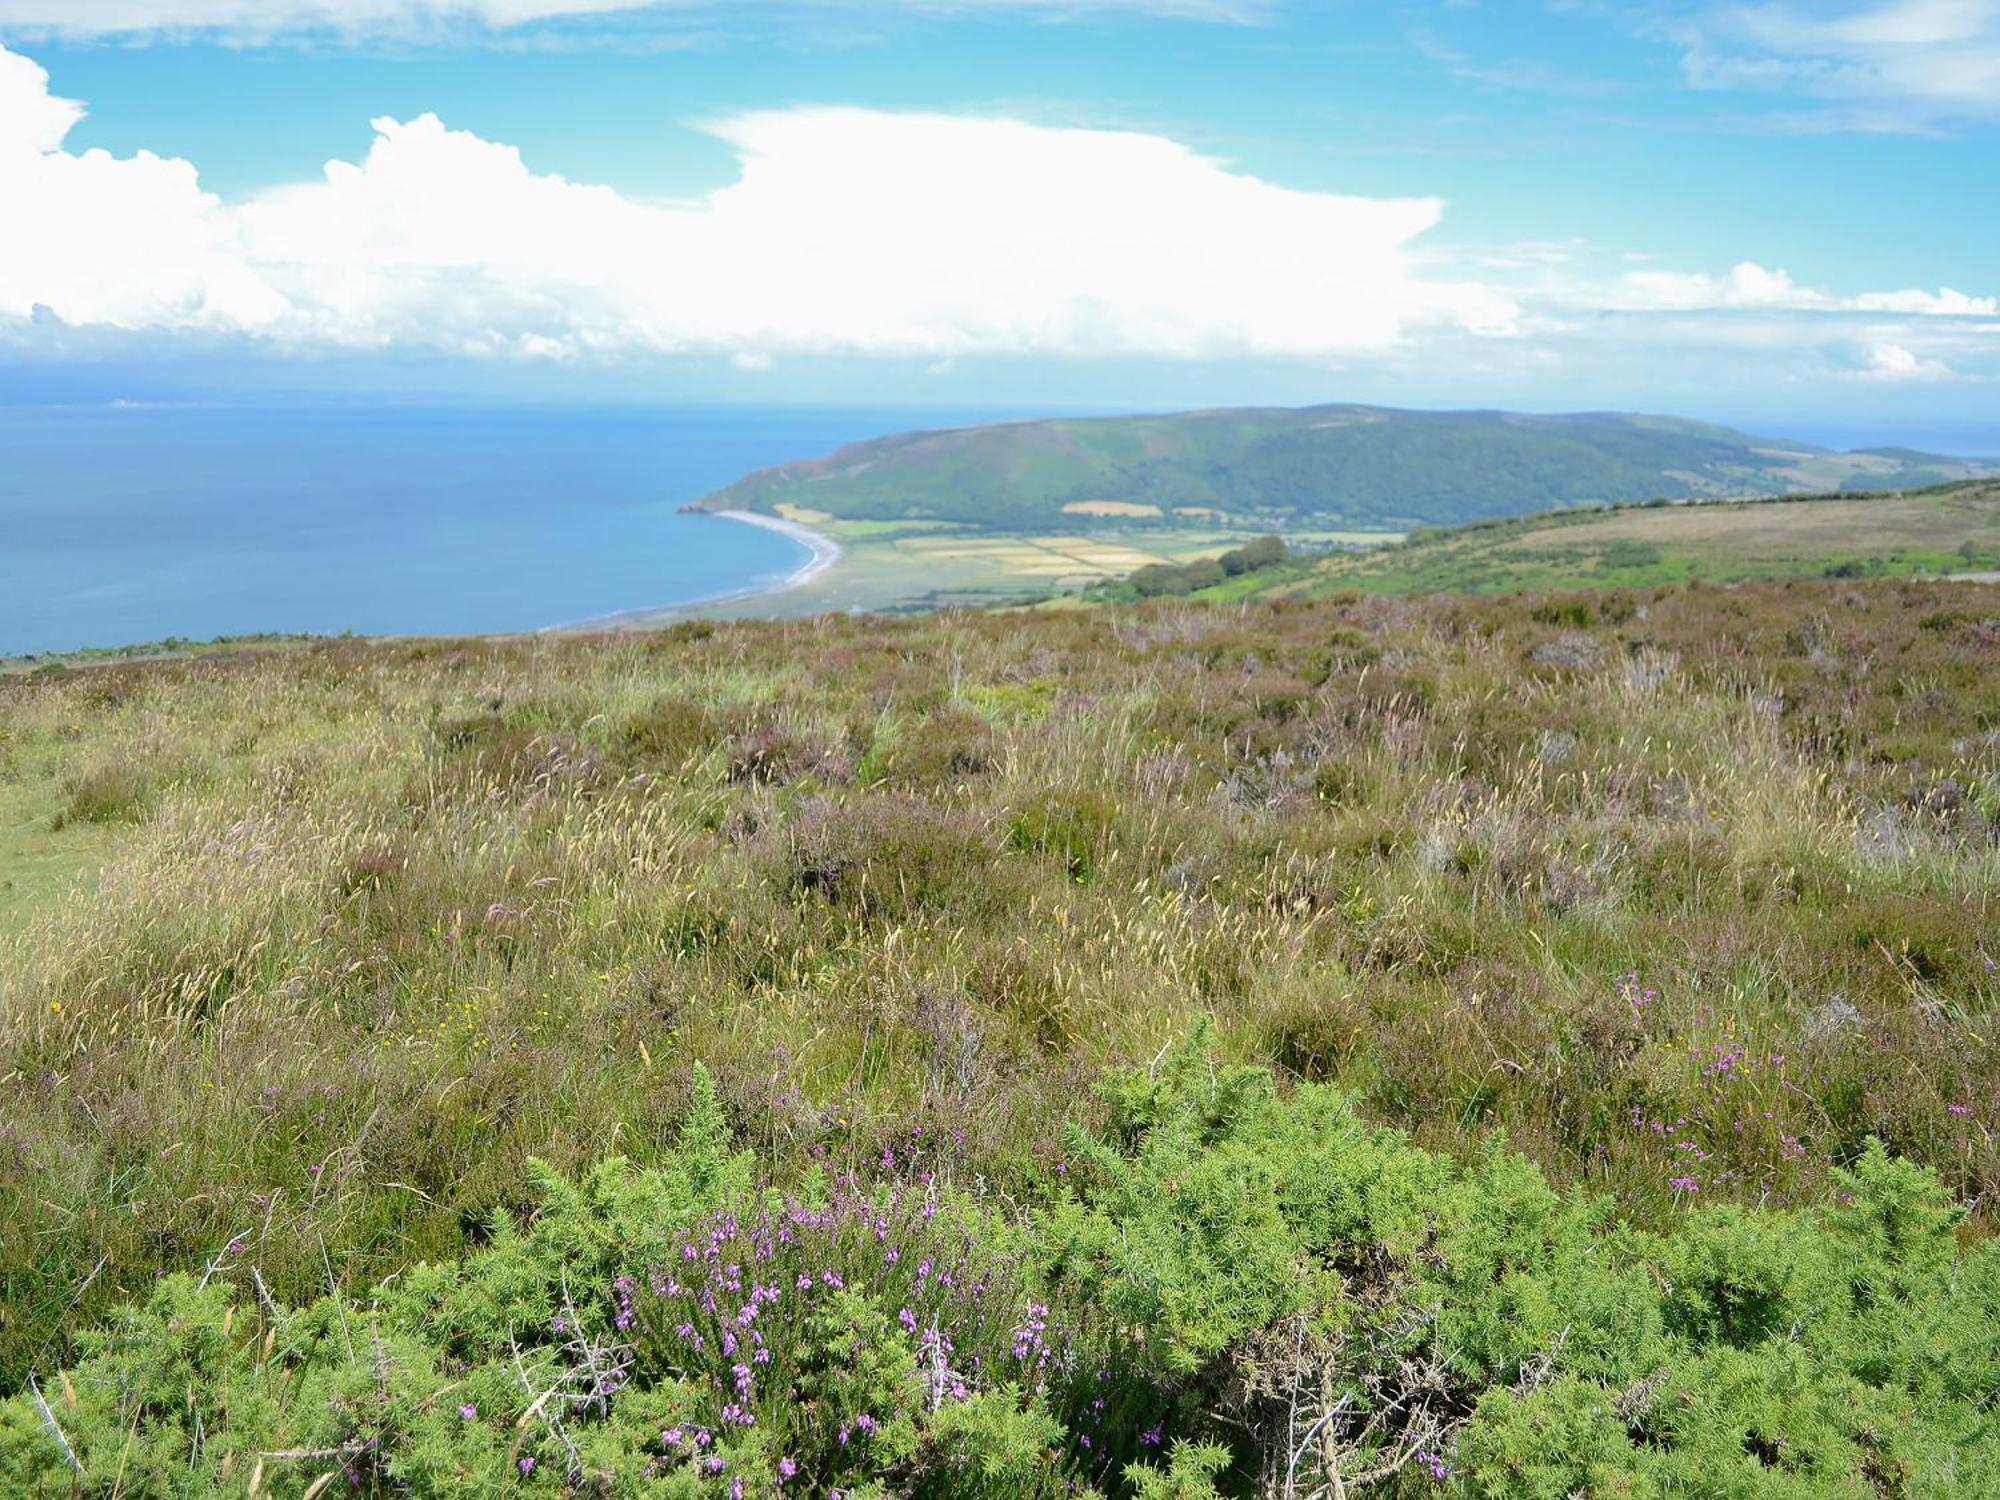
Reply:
x=1948, y=530
x=1355, y=465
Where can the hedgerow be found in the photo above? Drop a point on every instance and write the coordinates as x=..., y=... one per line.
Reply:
x=1225, y=1288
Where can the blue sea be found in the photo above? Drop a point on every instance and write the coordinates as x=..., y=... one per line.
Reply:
x=125, y=523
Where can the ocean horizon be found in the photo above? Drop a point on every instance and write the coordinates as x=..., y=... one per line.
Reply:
x=131, y=522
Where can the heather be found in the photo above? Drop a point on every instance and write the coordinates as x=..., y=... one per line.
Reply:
x=1577, y=947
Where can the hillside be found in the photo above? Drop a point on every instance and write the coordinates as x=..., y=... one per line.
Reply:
x=1942, y=532
x=1346, y=465
x=1089, y=1035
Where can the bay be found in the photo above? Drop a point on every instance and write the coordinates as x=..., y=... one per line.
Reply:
x=123, y=523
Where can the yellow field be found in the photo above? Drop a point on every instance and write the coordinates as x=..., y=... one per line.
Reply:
x=907, y=569
x=1109, y=508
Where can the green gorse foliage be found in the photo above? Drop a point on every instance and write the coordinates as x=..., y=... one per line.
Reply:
x=1230, y=1290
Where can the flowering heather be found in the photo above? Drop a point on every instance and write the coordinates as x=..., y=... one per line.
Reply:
x=764, y=1316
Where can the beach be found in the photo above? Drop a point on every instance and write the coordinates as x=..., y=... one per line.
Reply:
x=825, y=550
x=825, y=553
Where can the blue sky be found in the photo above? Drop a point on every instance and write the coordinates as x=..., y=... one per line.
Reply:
x=1748, y=211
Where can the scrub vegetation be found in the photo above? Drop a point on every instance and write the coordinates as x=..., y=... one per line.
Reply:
x=1525, y=1047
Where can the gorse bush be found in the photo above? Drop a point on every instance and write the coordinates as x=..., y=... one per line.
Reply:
x=1225, y=1291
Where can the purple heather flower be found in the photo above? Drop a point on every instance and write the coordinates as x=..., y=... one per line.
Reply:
x=786, y=1467
x=467, y=1412
x=1961, y=1110
x=526, y=1466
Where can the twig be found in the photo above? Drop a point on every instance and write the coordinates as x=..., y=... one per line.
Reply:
x=55, y=1427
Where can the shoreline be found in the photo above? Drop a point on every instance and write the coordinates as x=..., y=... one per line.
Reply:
x=824, y=550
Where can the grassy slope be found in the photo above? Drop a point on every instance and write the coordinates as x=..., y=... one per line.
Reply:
x=374, y=923
x=1949, y=530
x=1361, y=466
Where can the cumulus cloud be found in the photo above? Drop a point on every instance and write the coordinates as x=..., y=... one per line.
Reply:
x=1748, y=285
x=1894, y=364
x=133, y=242
x=844, y=231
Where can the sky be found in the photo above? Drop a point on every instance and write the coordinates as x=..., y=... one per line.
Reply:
x=1786, y=213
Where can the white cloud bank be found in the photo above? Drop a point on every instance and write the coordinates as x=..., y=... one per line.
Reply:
x=1748, y=285
x=846, y=231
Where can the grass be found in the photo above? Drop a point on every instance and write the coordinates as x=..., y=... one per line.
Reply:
x=332, y=938
x=1951, y=530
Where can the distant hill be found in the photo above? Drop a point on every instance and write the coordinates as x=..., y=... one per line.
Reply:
x=1354, y=465
x=1949, y=530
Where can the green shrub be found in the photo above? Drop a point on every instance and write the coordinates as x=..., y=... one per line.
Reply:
x=1218, y=1267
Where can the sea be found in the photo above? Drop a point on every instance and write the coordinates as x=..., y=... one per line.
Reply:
x=124, y=522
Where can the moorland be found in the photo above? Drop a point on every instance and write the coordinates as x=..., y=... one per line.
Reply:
x=1526, y=1046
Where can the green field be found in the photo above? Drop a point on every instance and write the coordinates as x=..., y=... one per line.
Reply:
x=1541, y=1046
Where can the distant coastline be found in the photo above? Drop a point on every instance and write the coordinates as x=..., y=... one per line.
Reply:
x=825, y=553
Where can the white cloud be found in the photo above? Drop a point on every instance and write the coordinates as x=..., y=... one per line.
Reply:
x=1748, y=285
x=1944, y=302
x=1880, y=64
x=133, y=242
x=266, y=18
x=1894, y=364
x=845, y=231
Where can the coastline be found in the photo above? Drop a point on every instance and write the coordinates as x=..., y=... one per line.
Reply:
x=825, y=550
x=825, y=553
